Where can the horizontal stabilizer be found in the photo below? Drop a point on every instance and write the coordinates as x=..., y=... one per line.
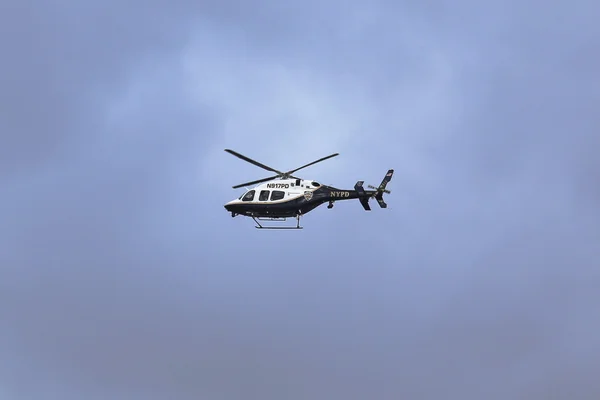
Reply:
x=364, y=201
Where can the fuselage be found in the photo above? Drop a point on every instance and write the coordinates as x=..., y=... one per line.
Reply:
x=288, y=198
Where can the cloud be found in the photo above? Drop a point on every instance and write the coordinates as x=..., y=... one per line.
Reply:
x=122, y=276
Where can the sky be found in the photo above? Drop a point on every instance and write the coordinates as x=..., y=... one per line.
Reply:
x=122, y=276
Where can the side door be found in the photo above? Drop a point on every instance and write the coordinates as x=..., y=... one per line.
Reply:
x=277, y=195
x=263, y=196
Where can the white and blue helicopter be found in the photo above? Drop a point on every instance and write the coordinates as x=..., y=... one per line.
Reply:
x=286, y=196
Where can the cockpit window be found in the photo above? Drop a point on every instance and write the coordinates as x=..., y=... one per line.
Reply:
x=316, y=184
x=248, y=196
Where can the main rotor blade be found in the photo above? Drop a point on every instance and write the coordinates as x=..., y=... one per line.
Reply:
x=314, y=162
x=251, y=161
x=257, y=181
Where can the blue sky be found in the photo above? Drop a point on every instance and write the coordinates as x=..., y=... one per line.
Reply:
x=122, y=276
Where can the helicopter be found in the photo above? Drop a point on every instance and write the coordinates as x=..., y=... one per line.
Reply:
x=287, y=196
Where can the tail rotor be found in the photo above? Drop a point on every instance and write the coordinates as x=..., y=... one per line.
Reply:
x=379, y=189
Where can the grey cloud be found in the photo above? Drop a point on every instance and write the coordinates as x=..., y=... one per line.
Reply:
x=63, y=61
x=123, y=277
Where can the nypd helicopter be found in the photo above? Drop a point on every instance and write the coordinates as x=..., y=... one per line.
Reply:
x=287, y=196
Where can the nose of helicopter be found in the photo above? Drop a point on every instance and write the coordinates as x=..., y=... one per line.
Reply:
x=229, y=206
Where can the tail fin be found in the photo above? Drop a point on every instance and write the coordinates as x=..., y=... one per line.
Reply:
x=381, y=189
x=378, y=194
x=386, y=179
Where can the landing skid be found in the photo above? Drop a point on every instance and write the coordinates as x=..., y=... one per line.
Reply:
x=259, y=226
